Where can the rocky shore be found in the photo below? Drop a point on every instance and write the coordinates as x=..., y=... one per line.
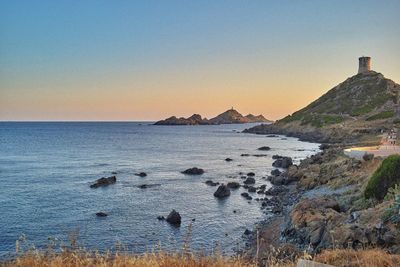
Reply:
x=319, y=205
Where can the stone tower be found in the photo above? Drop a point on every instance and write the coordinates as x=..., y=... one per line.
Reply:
x=364, y=64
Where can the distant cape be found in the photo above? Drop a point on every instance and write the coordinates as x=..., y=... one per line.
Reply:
x=228, y=117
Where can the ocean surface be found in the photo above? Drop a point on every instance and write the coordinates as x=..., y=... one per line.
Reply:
x=46, y=169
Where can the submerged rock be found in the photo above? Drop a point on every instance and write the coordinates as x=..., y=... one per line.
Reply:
x=222, y=191
x=264, y=148
x=101, y=214
x=141, y=174
x=193, y=171
x=228, y=159
x=144, y=186
x=233, y=185
x=211, y=183
x=251, y=174
x=246, y=195
x=174, y=218
x=160, y=218
x=104, y=181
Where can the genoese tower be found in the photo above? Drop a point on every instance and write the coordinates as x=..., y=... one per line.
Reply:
x=364, y=64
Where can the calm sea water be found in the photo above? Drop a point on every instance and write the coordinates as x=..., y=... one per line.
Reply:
x=46, y=170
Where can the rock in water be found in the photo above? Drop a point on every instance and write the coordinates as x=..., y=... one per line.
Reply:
x=141, y=174
x=283, y=162
x=222, y=191
x=174, y=218
x=250, y=180
x=211, y=183
x=104, y=181
x=101, y=214
x=193, y=171
x=264, y=148
x=233, y=185
x=228, y=159
x=275, y=172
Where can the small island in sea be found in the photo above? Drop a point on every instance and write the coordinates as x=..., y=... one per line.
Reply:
x=230, y=116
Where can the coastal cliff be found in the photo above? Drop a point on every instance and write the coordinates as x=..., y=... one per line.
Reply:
x=228, y=117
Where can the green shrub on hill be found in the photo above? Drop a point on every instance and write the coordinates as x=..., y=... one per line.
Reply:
x=385, y=177
x=383, y=115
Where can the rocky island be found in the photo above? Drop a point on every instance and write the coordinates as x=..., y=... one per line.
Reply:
x=228, y=117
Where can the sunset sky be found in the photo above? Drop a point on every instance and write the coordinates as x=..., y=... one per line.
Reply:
x=147, y=60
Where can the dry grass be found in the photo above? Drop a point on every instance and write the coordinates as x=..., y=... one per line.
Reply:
x=353, y=258
x=337, y=257
x=73, y=259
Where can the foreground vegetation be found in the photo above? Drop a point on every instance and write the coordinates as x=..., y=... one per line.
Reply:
x=78, y=258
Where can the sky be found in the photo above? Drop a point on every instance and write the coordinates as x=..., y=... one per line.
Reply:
x=147, y=60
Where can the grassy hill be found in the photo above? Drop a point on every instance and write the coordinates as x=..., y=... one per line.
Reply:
x=363, y=104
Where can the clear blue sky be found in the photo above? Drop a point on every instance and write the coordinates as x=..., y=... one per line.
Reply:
x=144, y=60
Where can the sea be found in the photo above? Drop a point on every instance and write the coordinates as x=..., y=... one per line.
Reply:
x=46, y=169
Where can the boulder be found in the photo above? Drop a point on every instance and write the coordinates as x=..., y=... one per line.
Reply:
x=264, y=148
x=283, y=162
x=141, y=174
x=251, y=174
x=193, y=171
x=222, y=191
x=160, y=218
x=174, y=218
x=250, y=180
x=101, y=214
x=233, y=185
x=104, y=181
x=211, y=183
x=246, y=195
x=276, y=172
x=277, y=190
x=252, y=189
x=228, y=159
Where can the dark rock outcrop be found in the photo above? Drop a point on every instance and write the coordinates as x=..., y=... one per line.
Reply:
x=193, y=171
x=233, y=185
x=222, y=191
x=246, y=196
x=250, y=180
x=174, y=218
x=283, y=162
x=275, y=172
x=104, y=181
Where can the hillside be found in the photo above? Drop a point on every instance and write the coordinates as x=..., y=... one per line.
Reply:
x=365, y=103
x=228, y=117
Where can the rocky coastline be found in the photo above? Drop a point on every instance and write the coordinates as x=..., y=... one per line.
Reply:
x=318, y=205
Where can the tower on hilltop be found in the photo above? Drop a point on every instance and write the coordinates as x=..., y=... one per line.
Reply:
x=364, y=64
